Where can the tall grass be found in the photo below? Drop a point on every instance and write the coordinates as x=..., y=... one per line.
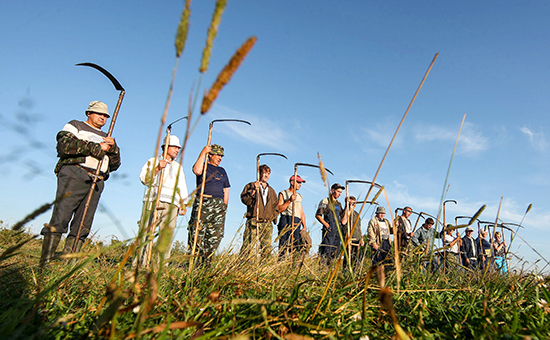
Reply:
x=98, y=294
x=259, y=300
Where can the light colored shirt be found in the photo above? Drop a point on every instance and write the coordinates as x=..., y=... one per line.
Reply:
x=298, y=201
x=448, y=240
x=408, y=228
x=172, y=172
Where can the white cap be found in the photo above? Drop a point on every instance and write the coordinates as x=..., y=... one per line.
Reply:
x=174, y=141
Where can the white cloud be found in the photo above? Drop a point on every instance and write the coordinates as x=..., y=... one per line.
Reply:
x=471, y=140
x=537, y=139
x=262, y=131
x=381, y=133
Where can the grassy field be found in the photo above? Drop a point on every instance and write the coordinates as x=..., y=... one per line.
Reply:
x=96, y=296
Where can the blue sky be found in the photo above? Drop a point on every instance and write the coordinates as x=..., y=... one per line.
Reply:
x=333, y=79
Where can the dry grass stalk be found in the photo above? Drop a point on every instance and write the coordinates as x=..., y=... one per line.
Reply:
x=212, y=32
x=226, y=74
x=183, y=28
x=323, y=171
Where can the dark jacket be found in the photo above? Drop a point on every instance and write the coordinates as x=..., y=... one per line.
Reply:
x=468, y=250
x=267, y=213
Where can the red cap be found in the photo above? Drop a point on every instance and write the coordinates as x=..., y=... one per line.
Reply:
x=298, y=179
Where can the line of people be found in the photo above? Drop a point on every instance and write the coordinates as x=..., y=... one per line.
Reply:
x=82, y=146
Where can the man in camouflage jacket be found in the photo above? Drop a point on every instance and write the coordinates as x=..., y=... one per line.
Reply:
x=81, y=147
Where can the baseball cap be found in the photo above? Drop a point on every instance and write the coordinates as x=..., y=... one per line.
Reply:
x=298, y=179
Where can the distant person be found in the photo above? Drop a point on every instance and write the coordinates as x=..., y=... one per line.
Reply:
x=357, y=236
x=469, y=250
x=214, y=204
x=499, y=246
x=425, y=235
x=378, y=232
x=174, y=189
x=329, y=212
x=452, y=243
x=289, y=237
x=81, y=147
x=483, y=250
x=262, y=208
x=404, y=229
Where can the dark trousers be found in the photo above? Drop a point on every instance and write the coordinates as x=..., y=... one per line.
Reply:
x=289, y=240
x=330, y=244
x=354, y=257
x=75, y=182
x=380, y=254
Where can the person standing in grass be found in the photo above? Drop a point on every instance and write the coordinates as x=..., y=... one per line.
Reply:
x=329, y=214
x=404, y=228
x=81, y=146
x=483, y=250
x=173, y=195
x=425, y=235
x=499, y=246
x=379, y=231
x=469, y=249
x=214, y=204
x=452, y=243
x=289, y=239
x=357, y=236
x=262, y=208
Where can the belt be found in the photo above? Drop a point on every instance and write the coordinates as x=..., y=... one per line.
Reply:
x=385, y=237
x=91, y=172
x=473, y=258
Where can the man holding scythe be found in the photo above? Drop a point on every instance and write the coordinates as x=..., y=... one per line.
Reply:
x=214, y=203
x=329, y=213
x=172, y=198
x=261, y=211
x=81, y=146
x=290, y=205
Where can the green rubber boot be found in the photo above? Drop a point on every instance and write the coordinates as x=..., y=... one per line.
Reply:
x=49, y=245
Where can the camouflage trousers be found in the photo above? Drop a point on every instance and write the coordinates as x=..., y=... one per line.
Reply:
x=257, y=234
x=211, y=226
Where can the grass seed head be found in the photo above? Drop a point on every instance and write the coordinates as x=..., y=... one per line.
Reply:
x=323, y=170
x=226, y=74
x=183, y=28
x=212, y=32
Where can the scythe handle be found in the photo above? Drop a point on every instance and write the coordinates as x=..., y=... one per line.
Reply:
x=153, y=226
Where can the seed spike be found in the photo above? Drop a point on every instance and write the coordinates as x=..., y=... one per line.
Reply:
x=226, y=74
x=183, y=28
x=212, y=32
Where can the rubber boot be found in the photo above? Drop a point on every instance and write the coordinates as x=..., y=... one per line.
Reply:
x=49, y=245
x=79, y=246
x=69, y=243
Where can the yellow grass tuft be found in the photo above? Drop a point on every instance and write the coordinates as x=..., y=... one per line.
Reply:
x=226, y=74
